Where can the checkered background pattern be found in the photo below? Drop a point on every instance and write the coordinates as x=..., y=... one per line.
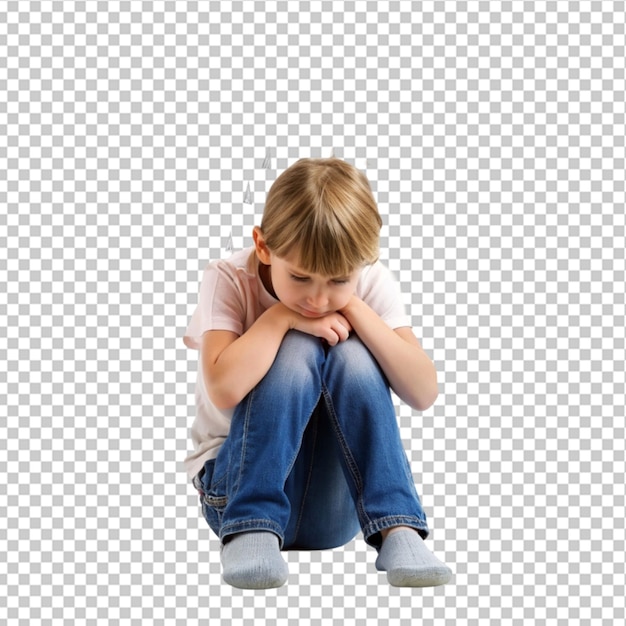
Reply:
x=137, y=142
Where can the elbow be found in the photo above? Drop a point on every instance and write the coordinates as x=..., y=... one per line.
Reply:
x=222, y=399
x=221, y=394
x=223, y=404
x=426, y=396
x=426, y=400
x=426, y=387
x=217, y=388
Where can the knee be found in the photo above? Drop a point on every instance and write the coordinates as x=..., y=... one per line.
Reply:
x=294, y=339
x=351, y=361
x=297, y=347
x=299, y=357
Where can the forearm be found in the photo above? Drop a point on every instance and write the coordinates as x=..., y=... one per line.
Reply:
x=245, y=361
x=409, y=370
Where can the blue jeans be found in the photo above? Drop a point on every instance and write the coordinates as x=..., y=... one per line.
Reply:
x=314, y=453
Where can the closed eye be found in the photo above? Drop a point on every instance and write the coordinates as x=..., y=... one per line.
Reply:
x=303, y=279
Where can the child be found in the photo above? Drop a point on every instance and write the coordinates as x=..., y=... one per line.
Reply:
x=296, y=440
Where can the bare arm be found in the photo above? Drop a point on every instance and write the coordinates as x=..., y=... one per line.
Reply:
x=234, y=364
x=411, y=373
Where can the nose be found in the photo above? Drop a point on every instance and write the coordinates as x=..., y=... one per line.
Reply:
x=317, y=299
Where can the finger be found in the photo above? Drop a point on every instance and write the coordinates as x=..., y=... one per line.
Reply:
x=332, y=338
x=344, y=321
x=342, y=332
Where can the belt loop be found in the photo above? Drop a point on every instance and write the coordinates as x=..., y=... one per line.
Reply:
x=197, y=481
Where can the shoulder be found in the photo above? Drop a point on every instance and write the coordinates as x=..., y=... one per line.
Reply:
x=375, y=276
x=238, y=261
x=226, y=295
x=237, y=267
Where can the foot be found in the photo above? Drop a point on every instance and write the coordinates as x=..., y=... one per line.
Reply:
x=409, y=563
x=253, y=561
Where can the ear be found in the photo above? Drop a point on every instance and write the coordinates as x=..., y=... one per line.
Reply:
x=262, y=251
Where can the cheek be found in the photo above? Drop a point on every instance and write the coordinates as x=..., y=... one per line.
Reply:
x=285, y=289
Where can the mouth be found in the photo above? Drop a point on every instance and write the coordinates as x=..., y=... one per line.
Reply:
x=308, y=313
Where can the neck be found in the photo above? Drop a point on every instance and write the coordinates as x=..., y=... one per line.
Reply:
x=265, y=273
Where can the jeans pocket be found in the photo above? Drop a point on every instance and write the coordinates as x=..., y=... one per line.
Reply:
x=213, y=502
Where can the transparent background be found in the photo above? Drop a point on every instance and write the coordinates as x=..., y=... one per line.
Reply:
x=137, y=142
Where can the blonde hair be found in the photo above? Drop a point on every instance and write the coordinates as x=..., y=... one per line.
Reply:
x=323, y=212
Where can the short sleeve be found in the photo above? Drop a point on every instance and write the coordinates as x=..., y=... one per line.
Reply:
x=379, y=289
x=220, y=305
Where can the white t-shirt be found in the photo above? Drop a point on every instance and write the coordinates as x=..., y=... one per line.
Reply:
x=232, y=297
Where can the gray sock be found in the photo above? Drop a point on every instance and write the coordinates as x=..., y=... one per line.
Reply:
x=409, y=563
x=253, y=561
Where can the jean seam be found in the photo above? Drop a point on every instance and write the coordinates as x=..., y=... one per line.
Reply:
x=348, y=458
x=309, y=476
x=215, y=484
x=235, y=487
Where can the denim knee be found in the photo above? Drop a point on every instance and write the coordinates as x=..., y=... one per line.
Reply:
x=298, y=361
x=354, y=364
x=298, y=342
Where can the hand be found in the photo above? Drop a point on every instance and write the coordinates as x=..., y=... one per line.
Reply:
x=351, y=307
x=333, y=327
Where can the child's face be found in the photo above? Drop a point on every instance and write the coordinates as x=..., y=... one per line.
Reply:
x=310, y=295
